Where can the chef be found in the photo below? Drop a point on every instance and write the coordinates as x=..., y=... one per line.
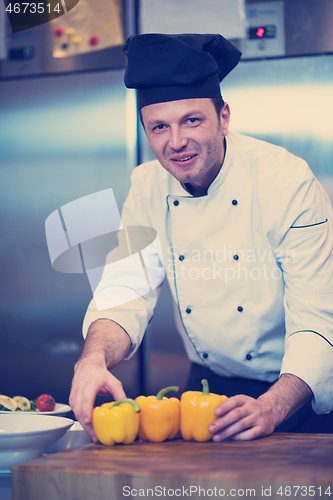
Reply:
x=245, y=241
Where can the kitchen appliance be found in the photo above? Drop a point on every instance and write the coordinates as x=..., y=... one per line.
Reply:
x=286, y=27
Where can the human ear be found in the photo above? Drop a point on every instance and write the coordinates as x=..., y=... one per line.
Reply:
x=225, y=112
x=225, y=118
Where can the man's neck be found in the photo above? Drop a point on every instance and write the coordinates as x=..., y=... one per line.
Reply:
x=194, y=190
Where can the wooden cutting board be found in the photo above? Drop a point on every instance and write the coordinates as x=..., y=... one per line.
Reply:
x=278, y=466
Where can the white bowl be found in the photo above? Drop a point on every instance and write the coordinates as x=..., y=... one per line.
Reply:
x=74, y=437
x=23, y=437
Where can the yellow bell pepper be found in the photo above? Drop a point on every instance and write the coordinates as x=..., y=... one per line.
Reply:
x=116, y=422
x=197, y=413
x=159, y=416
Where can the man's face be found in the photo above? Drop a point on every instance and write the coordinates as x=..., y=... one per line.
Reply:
x=187, y=138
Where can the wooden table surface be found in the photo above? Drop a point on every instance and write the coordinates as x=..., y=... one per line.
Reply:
x=274, y=466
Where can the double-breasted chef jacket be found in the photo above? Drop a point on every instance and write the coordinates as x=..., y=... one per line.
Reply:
x=250, y=267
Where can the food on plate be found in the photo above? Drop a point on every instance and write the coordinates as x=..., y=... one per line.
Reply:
x=197, y=413
x=159, y=416
x=116, y=422
x=22, y=403
x=7, y=404
x=45, y=403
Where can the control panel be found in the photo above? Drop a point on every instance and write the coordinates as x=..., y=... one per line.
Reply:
x=23, y=52
x=265, y=30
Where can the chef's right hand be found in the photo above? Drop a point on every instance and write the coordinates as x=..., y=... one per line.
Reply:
x=91, y=378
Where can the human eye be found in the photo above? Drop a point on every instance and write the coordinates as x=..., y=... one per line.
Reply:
x=159, y=127
x=192, y=120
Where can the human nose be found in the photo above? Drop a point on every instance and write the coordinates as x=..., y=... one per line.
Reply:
x=177, y=140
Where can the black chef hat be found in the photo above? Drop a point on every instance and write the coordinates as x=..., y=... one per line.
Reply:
x=171, y=67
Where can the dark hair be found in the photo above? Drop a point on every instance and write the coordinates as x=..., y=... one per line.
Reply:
x=218, y=105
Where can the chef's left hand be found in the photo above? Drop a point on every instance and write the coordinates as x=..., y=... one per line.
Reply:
x=242, y=418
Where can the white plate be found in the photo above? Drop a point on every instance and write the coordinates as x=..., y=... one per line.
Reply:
x=23, y=437
x=59, y=410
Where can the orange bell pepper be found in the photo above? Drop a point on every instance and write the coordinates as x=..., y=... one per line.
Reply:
x=197, y=413
x=159, y=416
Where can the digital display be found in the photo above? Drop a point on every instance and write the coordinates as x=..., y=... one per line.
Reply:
x=21, y=54
x=262, y=32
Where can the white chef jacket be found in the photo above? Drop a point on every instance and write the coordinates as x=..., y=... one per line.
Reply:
x=250, y=266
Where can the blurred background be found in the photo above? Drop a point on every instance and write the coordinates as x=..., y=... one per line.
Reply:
x=68, y=129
